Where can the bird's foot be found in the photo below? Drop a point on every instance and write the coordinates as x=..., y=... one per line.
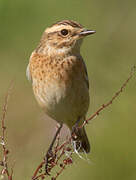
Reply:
x=74, y=132
x=48, y=160
x=75, y=129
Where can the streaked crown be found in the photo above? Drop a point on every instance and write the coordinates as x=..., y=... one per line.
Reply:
x=63, y=36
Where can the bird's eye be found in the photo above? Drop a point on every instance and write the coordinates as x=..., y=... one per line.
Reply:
x=64, y=32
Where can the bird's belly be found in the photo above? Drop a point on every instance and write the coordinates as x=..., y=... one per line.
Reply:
x=63, y=103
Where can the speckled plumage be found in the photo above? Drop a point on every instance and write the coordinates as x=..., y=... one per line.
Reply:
x=59, y=76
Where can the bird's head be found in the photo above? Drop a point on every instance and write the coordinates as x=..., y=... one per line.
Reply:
x=62, y=37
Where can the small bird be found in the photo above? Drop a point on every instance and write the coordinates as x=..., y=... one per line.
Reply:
x=59, y=78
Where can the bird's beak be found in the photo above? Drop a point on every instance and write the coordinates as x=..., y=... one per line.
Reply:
x=86, y=32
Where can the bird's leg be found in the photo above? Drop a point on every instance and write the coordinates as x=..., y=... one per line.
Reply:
x=76, y=136
x=75, y=129
x=49, y=153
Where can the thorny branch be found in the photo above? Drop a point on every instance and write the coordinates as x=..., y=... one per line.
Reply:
x=63, y=152
x=133, y=69
x=3, y=143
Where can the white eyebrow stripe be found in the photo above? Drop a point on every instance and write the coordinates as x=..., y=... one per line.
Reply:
x=57, y=28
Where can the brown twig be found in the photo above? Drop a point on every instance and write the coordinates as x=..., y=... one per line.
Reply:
x=58, y=173
x=37, y=170
x=58, y=152
x=60, y=149
x=4, y=162
x=133, y=69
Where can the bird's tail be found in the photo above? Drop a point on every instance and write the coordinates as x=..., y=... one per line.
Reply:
x=80, y=140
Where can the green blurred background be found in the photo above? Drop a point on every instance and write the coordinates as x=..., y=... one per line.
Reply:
x=109, y=55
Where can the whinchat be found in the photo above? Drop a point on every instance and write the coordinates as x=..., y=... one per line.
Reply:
x=59, y=77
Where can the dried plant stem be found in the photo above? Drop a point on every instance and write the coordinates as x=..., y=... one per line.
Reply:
x=4, y=161
x=112, y=99
x=61, y=149
x=37, y=170
x=58, y=173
